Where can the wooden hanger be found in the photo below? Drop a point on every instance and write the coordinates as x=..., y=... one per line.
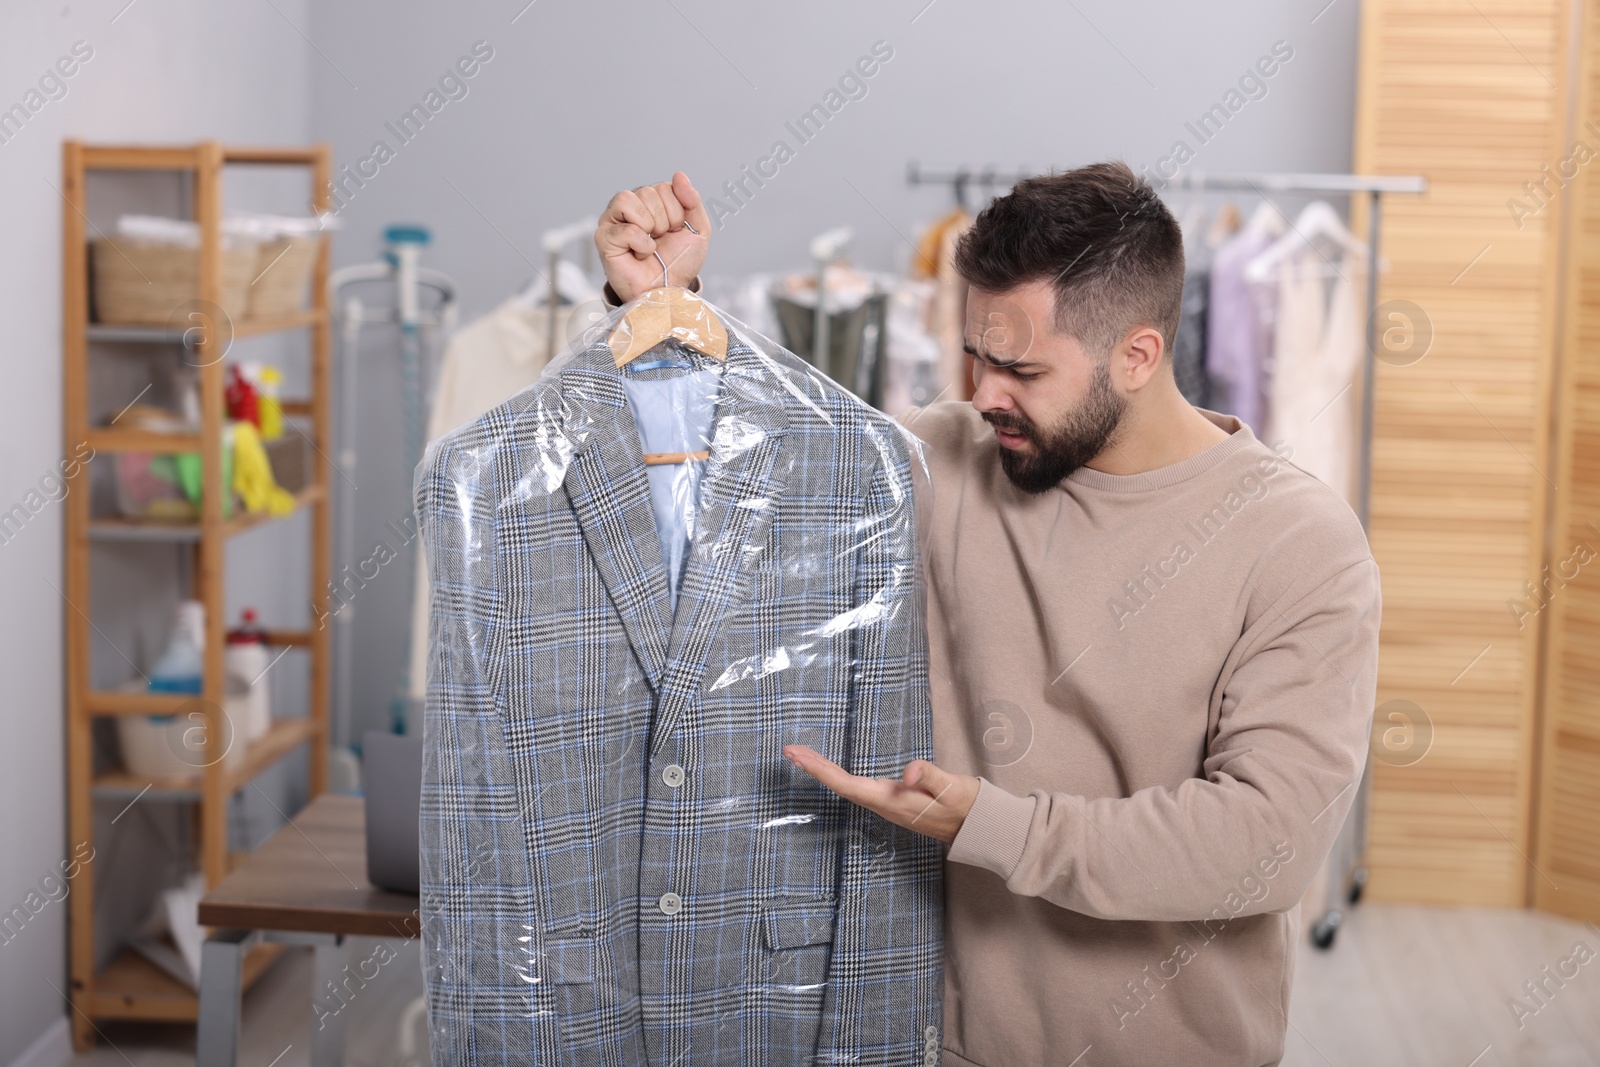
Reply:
x=668, y=312
x=656, y=459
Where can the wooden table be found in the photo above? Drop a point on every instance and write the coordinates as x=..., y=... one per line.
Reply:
x=306, y=885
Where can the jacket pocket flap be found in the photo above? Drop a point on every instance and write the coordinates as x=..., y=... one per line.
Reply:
x=568, y=960
x=791, y=926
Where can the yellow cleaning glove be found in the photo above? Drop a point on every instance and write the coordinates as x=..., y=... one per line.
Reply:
x=252, y=474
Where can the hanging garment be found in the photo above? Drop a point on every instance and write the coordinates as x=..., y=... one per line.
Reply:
x=491, y=359
x=618, y=865
x=930, y=246
x=1317, y=352
x=486, y=362
x=913, y=353
x=947, y=318
x=1189, y=345
x=1239, y=331
x=1224, y=226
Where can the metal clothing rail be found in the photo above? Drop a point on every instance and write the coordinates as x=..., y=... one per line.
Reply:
x=962, y=177
x=1299, y=183
x=1275, y=181
x=1346, y=874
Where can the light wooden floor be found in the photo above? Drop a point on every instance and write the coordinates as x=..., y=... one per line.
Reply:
x=278, y=1017
x=1402, y=987
x=1407, y=986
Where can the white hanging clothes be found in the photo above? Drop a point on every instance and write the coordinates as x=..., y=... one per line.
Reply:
x=1315, y=397
x=491, y=359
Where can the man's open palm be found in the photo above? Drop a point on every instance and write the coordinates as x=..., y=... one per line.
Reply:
x=926, y=799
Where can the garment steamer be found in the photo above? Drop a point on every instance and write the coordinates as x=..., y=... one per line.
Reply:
x=419, y=328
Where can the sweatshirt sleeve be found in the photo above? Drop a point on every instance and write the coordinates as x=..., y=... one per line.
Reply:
x=1279, y=777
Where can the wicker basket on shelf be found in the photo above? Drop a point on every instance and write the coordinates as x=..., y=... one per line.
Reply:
x=281, y=284
x=143, y=283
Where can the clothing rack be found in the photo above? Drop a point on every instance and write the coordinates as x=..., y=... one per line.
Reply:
x=1346, y=874
x=1374, y=186
x=960, y=178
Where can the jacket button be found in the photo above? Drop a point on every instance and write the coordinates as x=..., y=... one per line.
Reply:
x=673, y=775
x=670, y=903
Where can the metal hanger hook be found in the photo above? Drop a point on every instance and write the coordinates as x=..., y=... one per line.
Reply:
x=665, y=280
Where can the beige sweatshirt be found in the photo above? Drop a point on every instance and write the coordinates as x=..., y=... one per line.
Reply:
x=1166, y=682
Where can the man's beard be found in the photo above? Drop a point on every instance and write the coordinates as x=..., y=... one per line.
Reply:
x=1085, y=432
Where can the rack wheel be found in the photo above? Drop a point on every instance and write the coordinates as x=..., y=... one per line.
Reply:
x=1323, y=931
x=1358, y=883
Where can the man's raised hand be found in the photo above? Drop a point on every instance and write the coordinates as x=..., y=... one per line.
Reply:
x=638, y=223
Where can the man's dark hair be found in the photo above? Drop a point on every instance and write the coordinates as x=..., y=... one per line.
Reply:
x=1101, y=236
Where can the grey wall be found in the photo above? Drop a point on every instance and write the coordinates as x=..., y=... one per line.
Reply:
x=580, y=100
x=161, y=71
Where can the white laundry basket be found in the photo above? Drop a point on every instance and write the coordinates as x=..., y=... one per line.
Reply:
x=173, y=746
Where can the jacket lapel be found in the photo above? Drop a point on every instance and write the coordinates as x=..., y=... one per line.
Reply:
x=610, y=495
x=739, y=494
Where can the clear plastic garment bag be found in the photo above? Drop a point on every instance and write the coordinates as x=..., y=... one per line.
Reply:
x=680, y=550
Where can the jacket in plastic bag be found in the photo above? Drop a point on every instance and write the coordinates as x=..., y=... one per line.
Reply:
x=618, y=865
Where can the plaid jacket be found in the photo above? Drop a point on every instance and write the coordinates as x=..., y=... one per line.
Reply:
x=618, y=866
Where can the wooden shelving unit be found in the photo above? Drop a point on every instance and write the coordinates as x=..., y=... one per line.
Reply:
x=129, y=987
